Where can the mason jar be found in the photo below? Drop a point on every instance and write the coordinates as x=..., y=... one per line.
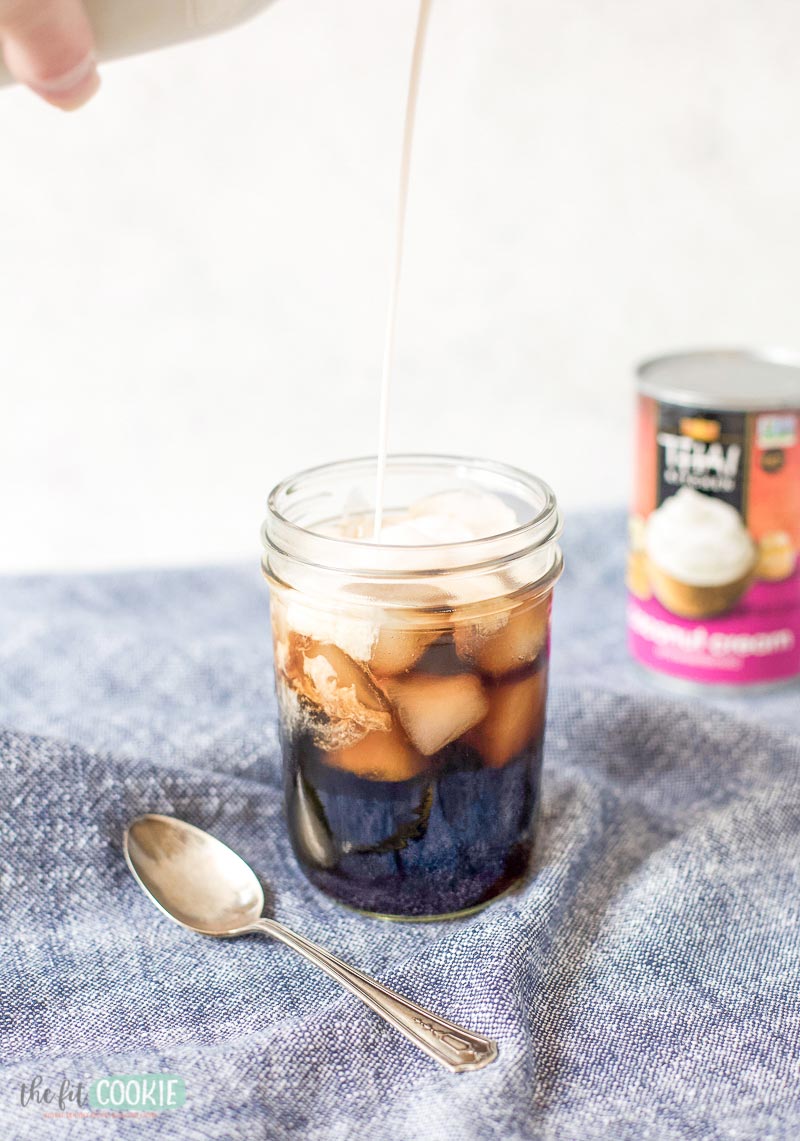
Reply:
x=412, y=678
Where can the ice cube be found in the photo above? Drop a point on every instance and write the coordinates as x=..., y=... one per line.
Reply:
x=398, y=648
x=352, y=527
x=479, y=512
x=515, y=719
x=515, y=644
x=339, y=701
x=425, y=531
x=354, y=634
x=436, y=710
x=472, y=589
x=342, y=688
x=481, y=609
x=402, y=534
x=406, y=619
x=379, y=756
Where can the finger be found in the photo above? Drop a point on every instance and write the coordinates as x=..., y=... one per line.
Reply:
x=48, y=45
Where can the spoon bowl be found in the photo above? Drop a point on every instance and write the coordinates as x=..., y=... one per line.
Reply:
x=194, y=878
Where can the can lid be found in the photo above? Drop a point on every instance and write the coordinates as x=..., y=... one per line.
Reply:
x=740, y=380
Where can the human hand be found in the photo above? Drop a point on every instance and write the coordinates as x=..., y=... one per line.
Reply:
x=48, y=45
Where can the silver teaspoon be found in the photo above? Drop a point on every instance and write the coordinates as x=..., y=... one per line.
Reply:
x=202, y=884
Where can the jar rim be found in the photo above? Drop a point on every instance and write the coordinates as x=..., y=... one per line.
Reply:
x=286, y=537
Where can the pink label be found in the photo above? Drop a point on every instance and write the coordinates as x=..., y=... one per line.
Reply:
x=758, y=641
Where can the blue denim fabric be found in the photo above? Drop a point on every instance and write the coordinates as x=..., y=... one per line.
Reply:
x=643, y=985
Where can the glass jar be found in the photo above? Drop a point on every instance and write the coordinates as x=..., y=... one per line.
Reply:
x=411, y=682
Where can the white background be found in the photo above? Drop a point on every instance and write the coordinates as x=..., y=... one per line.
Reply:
x=194, y=269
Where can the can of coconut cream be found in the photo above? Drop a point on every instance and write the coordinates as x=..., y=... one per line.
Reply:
x=713, y=577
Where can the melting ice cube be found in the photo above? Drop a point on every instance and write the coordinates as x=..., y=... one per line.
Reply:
x=436, y=710
x=515, y=719
x=478, y=512
x=380, y=756
x=515, y=644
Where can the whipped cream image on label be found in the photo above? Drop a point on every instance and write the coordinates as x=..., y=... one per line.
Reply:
x=699, y=540
x=713, y=573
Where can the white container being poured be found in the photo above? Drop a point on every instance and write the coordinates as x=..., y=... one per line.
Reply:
x=129, y=27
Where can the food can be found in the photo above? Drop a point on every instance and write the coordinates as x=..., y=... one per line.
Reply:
x=713, y=577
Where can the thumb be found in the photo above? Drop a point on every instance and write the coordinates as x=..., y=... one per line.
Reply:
x=48, y=45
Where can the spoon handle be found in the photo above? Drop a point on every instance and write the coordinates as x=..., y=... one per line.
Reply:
x=454, y=1047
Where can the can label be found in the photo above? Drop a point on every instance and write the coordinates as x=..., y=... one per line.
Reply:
x=713, y=569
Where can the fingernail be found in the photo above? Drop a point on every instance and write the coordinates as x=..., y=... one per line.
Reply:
x=72, y=89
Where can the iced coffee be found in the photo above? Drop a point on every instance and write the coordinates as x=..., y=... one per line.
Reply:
x=411, y=673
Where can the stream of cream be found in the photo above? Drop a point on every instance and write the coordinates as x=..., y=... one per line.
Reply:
x=397, y=264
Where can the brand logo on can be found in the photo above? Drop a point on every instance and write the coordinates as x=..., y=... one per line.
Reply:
x=776, y=431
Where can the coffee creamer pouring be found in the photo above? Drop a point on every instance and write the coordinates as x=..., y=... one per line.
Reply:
x=411, y=600
x=397, y=265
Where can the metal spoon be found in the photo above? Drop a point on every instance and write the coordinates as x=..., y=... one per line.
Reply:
x=202, y=884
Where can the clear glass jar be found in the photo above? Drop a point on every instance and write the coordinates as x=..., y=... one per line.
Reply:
x=411, y=683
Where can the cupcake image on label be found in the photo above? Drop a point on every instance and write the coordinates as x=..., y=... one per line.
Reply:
x=700, y=556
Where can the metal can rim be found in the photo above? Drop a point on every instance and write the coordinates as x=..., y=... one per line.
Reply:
x=692, y=396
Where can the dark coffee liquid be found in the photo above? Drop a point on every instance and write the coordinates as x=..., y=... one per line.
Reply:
x=443, y=841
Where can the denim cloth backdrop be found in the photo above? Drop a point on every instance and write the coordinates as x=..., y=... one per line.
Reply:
x=644, y=984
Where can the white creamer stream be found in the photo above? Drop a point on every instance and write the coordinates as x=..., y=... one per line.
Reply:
x=400, y=225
